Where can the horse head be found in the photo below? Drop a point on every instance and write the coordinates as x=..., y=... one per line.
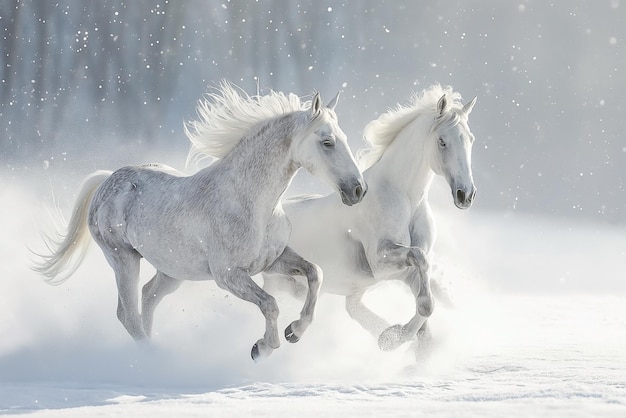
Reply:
x=324, y=151
x=452, y=158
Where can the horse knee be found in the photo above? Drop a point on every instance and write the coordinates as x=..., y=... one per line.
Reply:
x=425, y=305
x=269, y=307
x=314, y=275
x=419, y=259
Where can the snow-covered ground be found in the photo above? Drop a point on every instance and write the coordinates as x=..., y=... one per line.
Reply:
x=538, y=329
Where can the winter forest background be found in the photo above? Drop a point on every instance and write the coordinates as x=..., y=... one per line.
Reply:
x=92, y=82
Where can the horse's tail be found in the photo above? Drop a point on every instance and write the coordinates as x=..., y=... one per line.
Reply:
x=68, y=249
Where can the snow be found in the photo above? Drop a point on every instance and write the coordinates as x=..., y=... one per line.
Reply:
x=538, y=325
x=537, y=329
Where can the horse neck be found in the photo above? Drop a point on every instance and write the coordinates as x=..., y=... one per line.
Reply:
x=405, y=163
x=260, y=167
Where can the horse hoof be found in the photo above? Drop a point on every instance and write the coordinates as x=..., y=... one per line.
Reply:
x=255, y=352
x=260, y=350
x=392, y=338
x=290, y=335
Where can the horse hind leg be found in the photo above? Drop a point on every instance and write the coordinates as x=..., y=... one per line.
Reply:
x=125, y=264
x=153, y=292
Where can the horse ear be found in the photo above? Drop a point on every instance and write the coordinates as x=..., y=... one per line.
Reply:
x=442, y=104
x=333, y=103
x=316, y=105
x=467, y=109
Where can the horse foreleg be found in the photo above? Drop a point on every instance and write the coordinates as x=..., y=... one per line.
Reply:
x=240, y=284
x=153, y=292
x=291, y=264
x=394, y=336
x=357, y=310
x=397, y=256
x=273, y=283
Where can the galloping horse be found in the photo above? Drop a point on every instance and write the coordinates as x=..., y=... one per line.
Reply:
x=390, y=234
x=225, y=222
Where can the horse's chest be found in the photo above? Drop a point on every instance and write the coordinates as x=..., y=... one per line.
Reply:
x=272, y=245
x=358, y=257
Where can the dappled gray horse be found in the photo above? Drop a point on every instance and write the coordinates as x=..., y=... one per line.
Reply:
x=225, y=222
x=391, y=233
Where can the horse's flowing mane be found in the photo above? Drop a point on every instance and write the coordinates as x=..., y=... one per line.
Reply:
x=381, y=132
x=227, y=115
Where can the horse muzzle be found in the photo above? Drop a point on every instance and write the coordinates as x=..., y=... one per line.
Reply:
x=463, y=199
x=352, y=193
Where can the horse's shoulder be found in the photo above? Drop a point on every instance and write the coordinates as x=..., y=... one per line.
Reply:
x=388, y=205
x=422, y=227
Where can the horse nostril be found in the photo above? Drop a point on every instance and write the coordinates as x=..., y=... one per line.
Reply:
x=460, y=195
x=358, y=192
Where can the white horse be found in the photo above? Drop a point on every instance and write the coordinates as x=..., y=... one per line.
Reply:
x=391, y=233
x=225, y=222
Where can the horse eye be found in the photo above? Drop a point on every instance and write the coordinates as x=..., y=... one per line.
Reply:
x=442, y=142
x=327, y=143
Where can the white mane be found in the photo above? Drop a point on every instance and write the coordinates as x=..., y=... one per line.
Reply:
x=227, y=115
x=379, y=133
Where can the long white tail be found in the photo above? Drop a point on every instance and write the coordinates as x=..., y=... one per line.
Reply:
x=68, y=249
